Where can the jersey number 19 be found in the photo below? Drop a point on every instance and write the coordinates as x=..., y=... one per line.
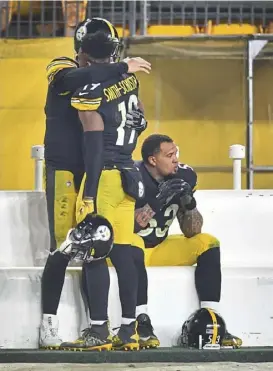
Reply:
x=132, y=103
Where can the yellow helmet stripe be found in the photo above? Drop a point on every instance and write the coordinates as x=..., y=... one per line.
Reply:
x=109, y=24
x=215, y=326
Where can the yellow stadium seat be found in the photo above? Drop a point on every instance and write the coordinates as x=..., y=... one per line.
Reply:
x=5, y=14
x=269, y=28
x=75, y=11
x=172, y=30
x=234, y=29
x=122, y=32
x=25, y=7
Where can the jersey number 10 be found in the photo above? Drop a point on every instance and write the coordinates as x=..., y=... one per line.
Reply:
x=132, y=103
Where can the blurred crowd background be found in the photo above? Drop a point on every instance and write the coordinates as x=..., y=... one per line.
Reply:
x=198, y=92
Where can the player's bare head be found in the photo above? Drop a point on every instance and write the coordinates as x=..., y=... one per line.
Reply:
x=159, y=152
x=96, y=48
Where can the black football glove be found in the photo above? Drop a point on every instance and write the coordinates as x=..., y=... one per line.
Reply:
x=169, y=189
x=187, y=201
x=136, y=120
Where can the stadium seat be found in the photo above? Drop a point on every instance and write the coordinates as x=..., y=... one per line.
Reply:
x=269, y=28
x=172, y=30
x=73, y=12
x=232, y=29
x=6, y=12
x=24, y=7
x=122, y=32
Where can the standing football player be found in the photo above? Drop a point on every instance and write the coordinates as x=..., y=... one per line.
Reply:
x=64, y=165
x=169, y=194
x=110, y=188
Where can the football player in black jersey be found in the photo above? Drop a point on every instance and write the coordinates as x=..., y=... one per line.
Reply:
x=64, y=165
x=169, y=194
x=110, y=187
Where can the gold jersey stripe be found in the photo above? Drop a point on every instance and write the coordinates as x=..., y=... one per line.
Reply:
x=51, y=72
x=87, y=102
x=61, y=61
x=84, y=107
x=88, y=99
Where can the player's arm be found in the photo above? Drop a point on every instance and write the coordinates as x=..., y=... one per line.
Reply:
x=190, y=221
x=97, y=72
x=64, y=73
x=87, y=101
x=93, y=127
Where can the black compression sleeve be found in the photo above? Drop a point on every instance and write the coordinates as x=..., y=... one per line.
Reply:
x=78, y=77
x=93, y=161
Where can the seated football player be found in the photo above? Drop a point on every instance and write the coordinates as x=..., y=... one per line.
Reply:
x=169, y=194
x=64, y=165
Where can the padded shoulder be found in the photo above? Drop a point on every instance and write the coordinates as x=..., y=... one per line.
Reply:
x=188, y=174
x=57, y=65
x=88, y=98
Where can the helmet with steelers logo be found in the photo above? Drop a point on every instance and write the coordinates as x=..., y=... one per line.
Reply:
x=91, y=240
x=204, y=329
x=91, y=26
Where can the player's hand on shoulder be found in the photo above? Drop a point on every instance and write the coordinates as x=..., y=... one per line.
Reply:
x=138, y=64
x=135, y=120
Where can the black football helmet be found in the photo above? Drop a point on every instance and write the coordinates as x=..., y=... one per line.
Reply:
x=90, y=26
x=90, y=240
x=204, y=329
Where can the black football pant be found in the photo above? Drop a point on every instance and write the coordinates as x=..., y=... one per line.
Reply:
x=128, y=262
x=207, y=278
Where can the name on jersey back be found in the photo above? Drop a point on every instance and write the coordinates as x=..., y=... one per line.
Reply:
x=121, y=88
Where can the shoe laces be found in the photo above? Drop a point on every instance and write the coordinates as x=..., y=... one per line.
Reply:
x=85, y=332
x=53, y=331
x=114, y=331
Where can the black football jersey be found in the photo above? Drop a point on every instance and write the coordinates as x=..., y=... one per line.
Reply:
x=158, y=227
x=63, y=136
x=112, y=100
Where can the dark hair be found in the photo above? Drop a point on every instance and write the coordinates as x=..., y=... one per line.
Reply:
x=151, y=145
x=98, y=45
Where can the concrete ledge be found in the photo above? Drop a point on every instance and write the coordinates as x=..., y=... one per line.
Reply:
x=162, y=355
